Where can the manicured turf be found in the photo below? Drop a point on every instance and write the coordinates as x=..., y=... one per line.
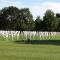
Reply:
x=34, y=50
x=13, y=51
x=22, y=37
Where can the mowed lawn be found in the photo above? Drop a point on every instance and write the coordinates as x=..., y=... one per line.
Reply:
x=14, y=51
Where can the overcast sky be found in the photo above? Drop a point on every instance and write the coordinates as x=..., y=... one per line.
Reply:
x=37, y=7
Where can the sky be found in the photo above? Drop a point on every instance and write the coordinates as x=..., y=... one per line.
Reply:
x=37, y=7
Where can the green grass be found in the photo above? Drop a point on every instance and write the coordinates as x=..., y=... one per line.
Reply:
x=55, y=37
x=22, y=37
x=9, y=50
x=12, y=51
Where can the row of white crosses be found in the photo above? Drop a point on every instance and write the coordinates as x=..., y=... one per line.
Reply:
x=27, y=34
x=40, y=34
x=8, y=34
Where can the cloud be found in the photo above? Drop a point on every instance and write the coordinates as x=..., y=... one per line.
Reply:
x=37, y=8
x=40, y=9
x=6, y=3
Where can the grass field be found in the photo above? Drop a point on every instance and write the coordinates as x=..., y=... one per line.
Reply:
x=48, y=50
x=12, y=51
x=23, y=37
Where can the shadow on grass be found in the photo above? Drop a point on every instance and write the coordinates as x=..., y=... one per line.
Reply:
x=49, y=42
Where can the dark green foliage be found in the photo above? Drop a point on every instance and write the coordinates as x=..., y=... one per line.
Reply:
x=58, y=15
x=9, y=17
x=26, y=19
x=12, y=18
x=49, y=21
x=38, y=24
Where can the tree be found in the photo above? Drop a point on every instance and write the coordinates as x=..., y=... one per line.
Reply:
x=17, y=19
x=38, y=23
x=50, y=22
x=58, y=15
x=3, y=21
x=58, y=19
x=26, y=19
x=9, y=15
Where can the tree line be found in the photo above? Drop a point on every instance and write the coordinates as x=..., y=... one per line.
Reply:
x=12, y=18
